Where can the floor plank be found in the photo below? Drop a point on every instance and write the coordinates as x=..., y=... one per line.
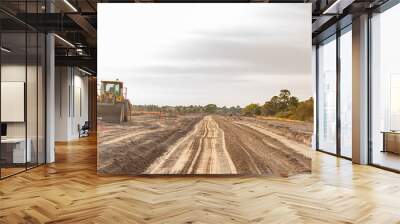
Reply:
x=70, y=191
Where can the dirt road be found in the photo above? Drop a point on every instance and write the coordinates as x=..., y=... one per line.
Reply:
x=197, y=144
x=129, y=148
x=259, y=151
x=221, y=145
x=202, y=151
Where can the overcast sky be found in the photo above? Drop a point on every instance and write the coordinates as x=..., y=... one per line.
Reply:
x=195, y=54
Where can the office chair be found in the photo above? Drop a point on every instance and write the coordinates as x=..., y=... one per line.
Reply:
x=84, y=130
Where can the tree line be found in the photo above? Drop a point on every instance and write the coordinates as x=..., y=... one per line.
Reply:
x=209, y=108
x=283, y=105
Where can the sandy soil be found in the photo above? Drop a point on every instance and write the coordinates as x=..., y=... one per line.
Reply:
x=202, y=151
x=129, y=148
x=193, y=144
x=299, y=131
x=261, y=152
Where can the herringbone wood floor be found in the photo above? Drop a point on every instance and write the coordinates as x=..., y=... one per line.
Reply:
x=70, y=191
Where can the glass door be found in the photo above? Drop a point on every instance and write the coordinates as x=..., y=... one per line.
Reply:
x=346, y=93
x=327, y=96
x=385, y=89
x=14, y=156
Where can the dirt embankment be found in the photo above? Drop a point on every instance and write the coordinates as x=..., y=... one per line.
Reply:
x=129, y=148
x=296, y=130
x=254, y=152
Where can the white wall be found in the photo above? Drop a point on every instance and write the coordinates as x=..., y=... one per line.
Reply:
x=71, y=102
x=62, y=82
x=14, y=73
x=33, y=127
x=80, y=104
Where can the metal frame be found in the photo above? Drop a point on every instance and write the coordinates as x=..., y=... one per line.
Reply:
x=369, y=90
x=317, y=93
x=26, y=92
x=340, y=33
x=0, y=92
x=44, y=75
x=386, y=6
x=337, y=35
x=338, y=97
x=316, y=97
x=37, y=91
x=44, y=80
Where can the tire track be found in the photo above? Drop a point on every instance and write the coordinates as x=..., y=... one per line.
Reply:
x=263, y=152
x=201, y=151
x=245, y=160
x=196, y=161
x=218, y=145
x=168, y=162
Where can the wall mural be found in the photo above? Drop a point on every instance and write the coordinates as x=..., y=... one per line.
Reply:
x=204, y=89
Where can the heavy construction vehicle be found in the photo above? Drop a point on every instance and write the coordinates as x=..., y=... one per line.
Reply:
x=112, y=104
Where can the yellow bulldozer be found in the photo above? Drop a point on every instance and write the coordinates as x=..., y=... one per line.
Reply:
x=112, y=104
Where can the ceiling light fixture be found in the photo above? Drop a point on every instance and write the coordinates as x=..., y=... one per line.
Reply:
x=326, y=11
x=84, y=71
x=70, y=5
x=64, y=40
x=79, y=51
x=5, y=50
x=337, y=7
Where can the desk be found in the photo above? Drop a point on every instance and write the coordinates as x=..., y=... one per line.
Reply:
x=13, y=150
x=391, y=141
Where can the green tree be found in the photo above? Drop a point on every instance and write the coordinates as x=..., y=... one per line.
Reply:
x=284, y=95
x=292, y=102
x=305, y=110
x=272, y=106
x=252, y=109
x=210, y=108
x=282, y=105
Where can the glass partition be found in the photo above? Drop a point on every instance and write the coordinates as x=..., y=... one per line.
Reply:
x=346, y=93
x=22, y=101
x=385, y=89
x=14, y=153
x=327, y=96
